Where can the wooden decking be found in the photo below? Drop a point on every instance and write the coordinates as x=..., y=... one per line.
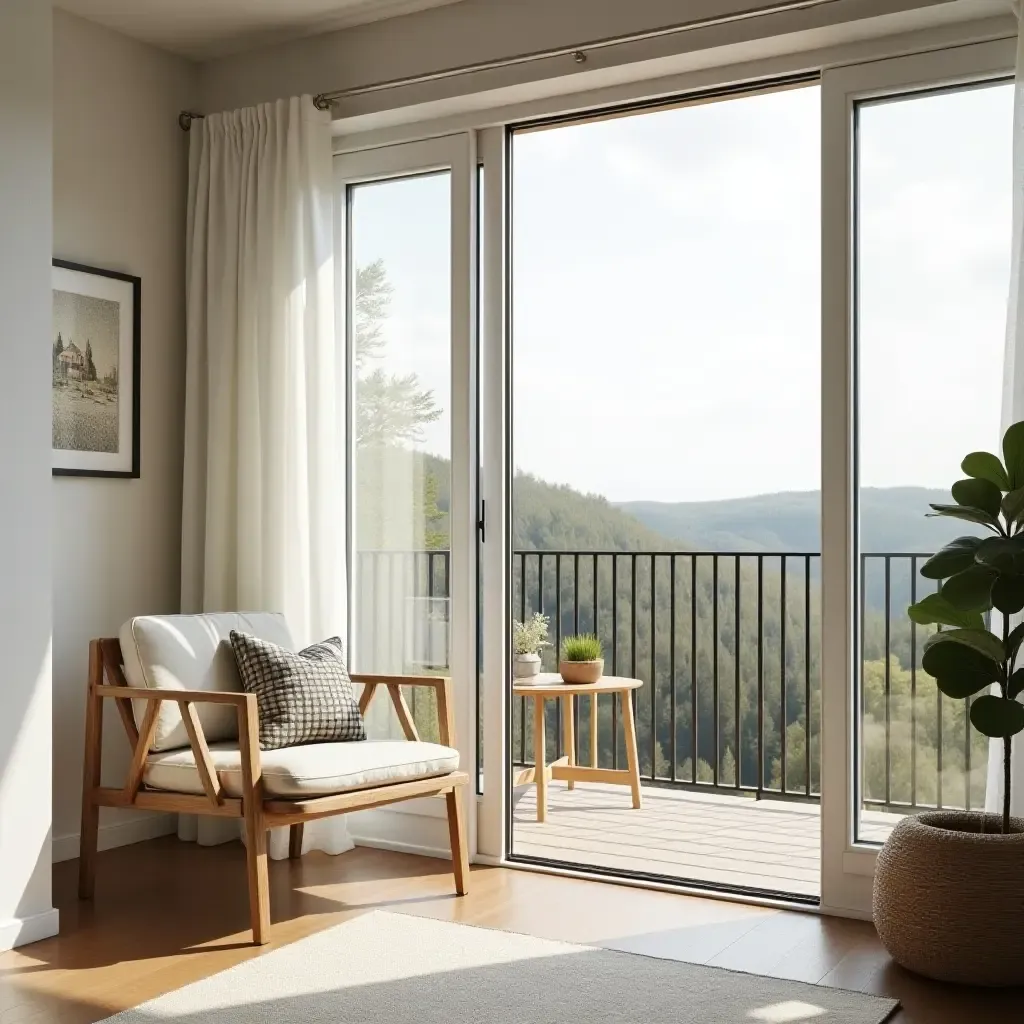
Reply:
x=708, y=837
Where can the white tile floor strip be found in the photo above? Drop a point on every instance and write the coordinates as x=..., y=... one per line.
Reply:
x=708, y=837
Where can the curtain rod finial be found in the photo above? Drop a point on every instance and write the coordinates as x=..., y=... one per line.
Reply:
x=321, y=102
x=185, y=119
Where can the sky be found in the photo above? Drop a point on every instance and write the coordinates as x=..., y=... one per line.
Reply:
x=666, y=282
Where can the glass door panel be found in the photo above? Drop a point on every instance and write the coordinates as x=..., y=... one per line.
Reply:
x=933, y=201
x=405, y=235
x=400, y=242
x=665, y=428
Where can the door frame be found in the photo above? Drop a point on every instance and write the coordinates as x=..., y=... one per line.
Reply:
x=848, y=866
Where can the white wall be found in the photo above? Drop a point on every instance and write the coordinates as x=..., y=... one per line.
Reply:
x=119, y=191
x=481, y=30
x=26, y=911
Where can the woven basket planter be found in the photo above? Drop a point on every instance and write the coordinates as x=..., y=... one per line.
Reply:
x=949, y=897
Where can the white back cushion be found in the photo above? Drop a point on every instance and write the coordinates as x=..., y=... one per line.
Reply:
x=192, y=652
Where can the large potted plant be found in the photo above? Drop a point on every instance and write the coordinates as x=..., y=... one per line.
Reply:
x=949, y=885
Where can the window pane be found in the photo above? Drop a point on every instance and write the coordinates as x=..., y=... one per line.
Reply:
x=934, y=209
x=400, y=237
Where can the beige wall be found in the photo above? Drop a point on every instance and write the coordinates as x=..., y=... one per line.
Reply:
x=26, y=911
x=480, y=30
x=119, y=189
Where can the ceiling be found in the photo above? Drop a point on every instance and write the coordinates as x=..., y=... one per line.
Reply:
x=203, y=29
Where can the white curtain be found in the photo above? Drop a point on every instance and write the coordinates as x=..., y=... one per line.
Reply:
x=263, y=502
x=1013, y=408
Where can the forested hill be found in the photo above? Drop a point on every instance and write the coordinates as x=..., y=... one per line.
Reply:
x=892, y=520
x=555, y=517
x=549, y=517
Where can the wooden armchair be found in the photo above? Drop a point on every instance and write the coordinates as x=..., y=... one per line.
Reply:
x=231, y=779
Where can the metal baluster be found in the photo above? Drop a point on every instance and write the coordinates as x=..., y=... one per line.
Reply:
x=654, y=674
x=888, y=680
x=615, y=658
x=736, y=716
x=782, y=668
x=672, y=662
x=760, y=674
x=807, y=676
x=913, y=685
x=693, y=669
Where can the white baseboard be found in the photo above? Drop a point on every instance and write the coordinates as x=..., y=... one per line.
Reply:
x=403, y=833
x=19, y=931
x=121, y=833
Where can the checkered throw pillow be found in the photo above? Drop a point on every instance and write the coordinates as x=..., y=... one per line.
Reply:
x=302, y=698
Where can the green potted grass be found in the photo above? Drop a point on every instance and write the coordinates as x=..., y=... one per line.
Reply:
x=948, y=895
x=582, y=659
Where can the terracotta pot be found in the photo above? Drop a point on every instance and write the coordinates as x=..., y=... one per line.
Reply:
x=526, y=666
x=581, y=671
x=949, y=897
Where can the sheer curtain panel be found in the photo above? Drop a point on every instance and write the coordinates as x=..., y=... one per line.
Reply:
x=263, y=499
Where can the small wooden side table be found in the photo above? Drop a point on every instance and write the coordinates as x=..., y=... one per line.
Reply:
x=549, y=684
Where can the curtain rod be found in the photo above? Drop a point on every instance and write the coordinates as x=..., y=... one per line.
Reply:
x=324, y=100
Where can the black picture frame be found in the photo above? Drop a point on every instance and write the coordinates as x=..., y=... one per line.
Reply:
x=134, y=472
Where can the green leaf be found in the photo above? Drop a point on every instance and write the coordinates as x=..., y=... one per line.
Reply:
x=1000, y=553
x=970, y=590
x=959, y=670
x=980, y=640
x=981, y=494
x=1015, y=686
x=1012, y=505
x=985, y=466
x=971, y=515
x=1013, y=454
x=997, y=717
x=956, y=556
x=1014, y=640
x=1008, y=594
x=935, y=608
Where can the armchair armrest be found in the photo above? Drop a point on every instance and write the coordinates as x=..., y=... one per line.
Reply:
x=441, y=685
x=248, y=732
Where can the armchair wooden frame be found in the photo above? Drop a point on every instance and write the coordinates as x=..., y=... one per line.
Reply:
x=107, y=682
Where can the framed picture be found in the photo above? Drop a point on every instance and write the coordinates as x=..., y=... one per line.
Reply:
x=96, y=347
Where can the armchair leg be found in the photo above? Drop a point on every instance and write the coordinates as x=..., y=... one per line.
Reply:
x=457, y=835
x=259, y=881
x=91, y=779
x=295, y=841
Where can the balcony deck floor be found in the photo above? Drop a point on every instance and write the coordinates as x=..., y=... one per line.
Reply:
x=708, y=837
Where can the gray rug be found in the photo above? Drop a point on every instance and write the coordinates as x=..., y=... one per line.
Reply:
x=395, y=968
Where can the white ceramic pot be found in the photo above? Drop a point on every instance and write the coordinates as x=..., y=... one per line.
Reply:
x=526, y=666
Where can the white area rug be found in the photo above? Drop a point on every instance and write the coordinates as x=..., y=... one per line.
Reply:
x=394, y=968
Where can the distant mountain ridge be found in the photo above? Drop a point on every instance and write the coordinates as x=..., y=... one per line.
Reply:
x=892, y=520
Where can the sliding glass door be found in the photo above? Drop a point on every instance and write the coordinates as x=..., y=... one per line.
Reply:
x=730, y=347
x=405, y=226
x=917, y=231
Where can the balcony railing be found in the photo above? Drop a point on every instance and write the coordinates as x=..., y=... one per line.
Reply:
x=728, y=647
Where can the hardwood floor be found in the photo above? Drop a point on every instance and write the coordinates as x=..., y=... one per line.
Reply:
x=168, y=913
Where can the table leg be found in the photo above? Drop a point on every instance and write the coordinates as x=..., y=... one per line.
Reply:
x=593, y=730
x=539, y=752
x=569, y=733
x=632, y=758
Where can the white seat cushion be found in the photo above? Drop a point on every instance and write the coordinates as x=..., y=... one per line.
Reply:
x=317, y=769
x=192, y=652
